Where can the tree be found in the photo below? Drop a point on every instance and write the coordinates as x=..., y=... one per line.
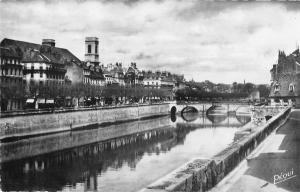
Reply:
x=264, y=91
x=248, y=88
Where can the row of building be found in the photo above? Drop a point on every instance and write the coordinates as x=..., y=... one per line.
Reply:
x=45, y=64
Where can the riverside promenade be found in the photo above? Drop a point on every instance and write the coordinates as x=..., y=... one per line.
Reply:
x=273, y=166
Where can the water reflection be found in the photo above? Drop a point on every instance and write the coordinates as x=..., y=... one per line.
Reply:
x=215, y=120
x=122, y=157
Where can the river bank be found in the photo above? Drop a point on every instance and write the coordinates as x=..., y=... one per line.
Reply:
x=45, y=123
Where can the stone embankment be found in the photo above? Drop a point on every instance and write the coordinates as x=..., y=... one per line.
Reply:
x=61, y=141
x=203, y=174
x=20, y=126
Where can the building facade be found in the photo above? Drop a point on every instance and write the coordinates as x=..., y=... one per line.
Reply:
x=285, y=80
x=11, y=79
x=164, y=80
x=48, y=67
x=133, y=76
x=46, y=64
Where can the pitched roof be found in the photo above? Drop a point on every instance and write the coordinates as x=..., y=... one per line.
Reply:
x=9, y=52
x=38, y=52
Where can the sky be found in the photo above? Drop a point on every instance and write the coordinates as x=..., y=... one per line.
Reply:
x=223, y=42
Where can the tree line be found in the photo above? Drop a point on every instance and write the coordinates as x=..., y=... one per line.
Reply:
x=196, y=91
x=79, y=90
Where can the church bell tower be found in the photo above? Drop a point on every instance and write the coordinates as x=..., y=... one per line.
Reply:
x=91, y=51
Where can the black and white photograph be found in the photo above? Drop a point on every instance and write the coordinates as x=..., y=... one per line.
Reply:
x=150, y=95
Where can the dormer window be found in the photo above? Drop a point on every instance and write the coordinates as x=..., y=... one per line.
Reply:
x=291, y=87
x=276, y=87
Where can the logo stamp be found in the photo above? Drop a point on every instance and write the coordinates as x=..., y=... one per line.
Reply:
x=283, y=176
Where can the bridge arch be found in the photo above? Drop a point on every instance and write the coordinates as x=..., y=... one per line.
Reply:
x=173, y=110
x=243, y=119
x=216, y=119
x=188, y=107
x=189, y=117
x=173, y=114
x=211, y=108
x=239, y=107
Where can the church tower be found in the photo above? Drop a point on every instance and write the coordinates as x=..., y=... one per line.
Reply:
x=91, y=51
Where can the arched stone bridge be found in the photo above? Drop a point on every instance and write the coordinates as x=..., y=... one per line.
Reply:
x=207, y=107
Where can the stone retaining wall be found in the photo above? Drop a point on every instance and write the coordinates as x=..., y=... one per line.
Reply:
x=203, y=174
x=56, y=142
x=54, y=122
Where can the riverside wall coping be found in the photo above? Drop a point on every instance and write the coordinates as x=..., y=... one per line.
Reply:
x=8, y=114
x=203, y=174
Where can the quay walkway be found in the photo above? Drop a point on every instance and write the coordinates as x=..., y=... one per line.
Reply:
x=273, y=166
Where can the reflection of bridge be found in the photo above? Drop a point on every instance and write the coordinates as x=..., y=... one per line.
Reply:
x=207, y=107
x=214, y=120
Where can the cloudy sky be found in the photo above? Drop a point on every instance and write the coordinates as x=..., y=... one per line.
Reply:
x=217, y=41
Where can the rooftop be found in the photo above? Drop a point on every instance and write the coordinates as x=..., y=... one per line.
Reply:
x=38, y=52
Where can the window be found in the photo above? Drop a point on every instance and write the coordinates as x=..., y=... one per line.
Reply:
x=41, y=72
x=276, y=87
x=89, y=48
x=291, y=87
x=96, y=49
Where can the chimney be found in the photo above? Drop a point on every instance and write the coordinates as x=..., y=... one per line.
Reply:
x=48, y=42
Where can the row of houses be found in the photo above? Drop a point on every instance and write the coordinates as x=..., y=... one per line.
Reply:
x=26, y=63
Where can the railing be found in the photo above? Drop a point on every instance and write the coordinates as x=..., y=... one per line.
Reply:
x=214, y=102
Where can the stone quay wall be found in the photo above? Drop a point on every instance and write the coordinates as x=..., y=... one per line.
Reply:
x=203, y=174
x=55, y=142
x=19, y=126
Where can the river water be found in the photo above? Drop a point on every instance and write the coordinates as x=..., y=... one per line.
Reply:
x=123, y=157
